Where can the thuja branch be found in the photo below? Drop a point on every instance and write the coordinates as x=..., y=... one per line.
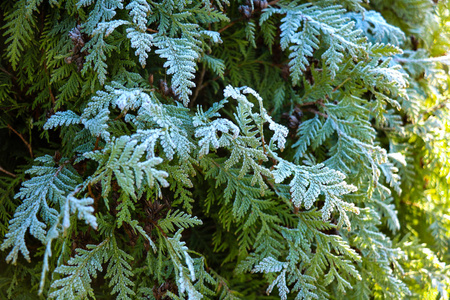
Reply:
x=30, y=150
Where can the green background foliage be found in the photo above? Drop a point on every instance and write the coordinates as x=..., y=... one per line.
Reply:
x=200, y=149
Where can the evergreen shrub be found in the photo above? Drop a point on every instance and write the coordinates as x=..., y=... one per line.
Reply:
x=220, y=149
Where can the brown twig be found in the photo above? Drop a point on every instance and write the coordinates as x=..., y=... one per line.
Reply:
x=320, y=102
x=212, y=80
x=96, y=143
x=152, y=30
x=317, y=112
x=271, y=3
x=229, y=25
x=198, y=88
x=263, y=142
x=434, y=108
x=23, y=140
x=7, y=172
x=52, y=97
x=340, y=85
x=90, y=191
x=8, y=73
x=96, y=198
x=118, y=117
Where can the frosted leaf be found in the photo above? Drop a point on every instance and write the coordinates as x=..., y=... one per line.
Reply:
x=139, y=10
x=279, y=135
x=269, y=265
x=309, y=182
x=85, y=211
x=235, y=93
x=60, y=118
x=209, y=134
x=181, y=55
x=376, y=28
x=107, y=28
x=142, y=42
x=214, y=35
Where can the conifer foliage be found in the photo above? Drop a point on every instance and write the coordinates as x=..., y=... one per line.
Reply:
x=224, y=149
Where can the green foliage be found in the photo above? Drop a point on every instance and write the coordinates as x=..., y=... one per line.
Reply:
x=225, y=150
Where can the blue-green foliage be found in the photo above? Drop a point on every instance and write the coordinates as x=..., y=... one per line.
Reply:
x=50, y=185
x=304, y=24
x=189, y=203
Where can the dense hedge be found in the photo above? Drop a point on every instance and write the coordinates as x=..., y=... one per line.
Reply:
x=224, y=149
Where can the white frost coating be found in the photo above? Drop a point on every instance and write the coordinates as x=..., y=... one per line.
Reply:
x=209, y=134
x=125, y=99
x=139, y=10
x=214, y=35
x=280, y=131
x=181, y=281
x=248, y=90
x=190, y=265
x=181, y=55
x=236, y=94
x=85, y=211
x=375, y=26
x=131, y=99
x=142, y=42
x=108, y=27
x=398, y=157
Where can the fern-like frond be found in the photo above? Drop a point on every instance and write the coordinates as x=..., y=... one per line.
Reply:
x=122, y=158
x=181, y=55
x=79, y=271
x=48, y=187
